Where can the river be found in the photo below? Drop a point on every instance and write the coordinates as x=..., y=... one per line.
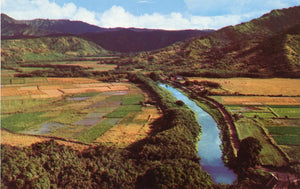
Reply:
x=209, y=144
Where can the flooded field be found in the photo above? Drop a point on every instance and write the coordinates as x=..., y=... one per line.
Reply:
x=79, y=109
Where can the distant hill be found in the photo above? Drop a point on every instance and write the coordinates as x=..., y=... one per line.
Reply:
x=64, y=26
x=114, y=39
x=47, y=48
x=12, y=28
x=137, y=40
x=267, y=46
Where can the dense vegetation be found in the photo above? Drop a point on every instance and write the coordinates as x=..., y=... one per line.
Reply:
x=47, y=48
x=165, y=159
x=264, y=47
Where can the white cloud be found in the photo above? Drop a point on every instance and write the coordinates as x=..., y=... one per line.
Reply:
x=221, y=13
x=118, y=17
x=146, y=2
x=31, y=9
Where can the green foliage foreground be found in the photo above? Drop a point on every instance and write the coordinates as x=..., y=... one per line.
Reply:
x=165, y=159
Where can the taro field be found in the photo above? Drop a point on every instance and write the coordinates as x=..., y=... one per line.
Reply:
x=76, y=109
x=280, y=123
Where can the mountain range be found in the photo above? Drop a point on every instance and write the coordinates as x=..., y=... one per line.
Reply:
x=113, y=39
x=268, y=46
x=264, y=47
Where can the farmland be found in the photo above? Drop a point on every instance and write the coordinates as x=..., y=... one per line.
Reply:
x=78, y=109
x=267, y=109
x=248, y=86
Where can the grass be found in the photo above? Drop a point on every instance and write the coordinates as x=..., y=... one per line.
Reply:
x=269, y=155
x=122, y=111
x=117, y=114
x=287, y=140
x=92, y=94
x=11, y=106
x=130, y=119
x=285, y=135
x=96, y=131
x=23, y=121
x=289, y=111
x=284, y=130
x=68, y=117
x=257, y=100
x=134, y=99
x=30, y=69
x=241, y=108
x=259, y=114
x=293, y=151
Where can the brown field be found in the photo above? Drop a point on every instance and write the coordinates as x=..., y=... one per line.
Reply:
x=94, y=65
x=258, y=100
x=274, y=86
x=124, y=135
x=71, y=80
x=56, y=87
x=20, y=140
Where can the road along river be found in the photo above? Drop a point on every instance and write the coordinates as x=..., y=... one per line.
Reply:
x=209, y=144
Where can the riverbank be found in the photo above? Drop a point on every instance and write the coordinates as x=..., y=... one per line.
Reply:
x=230, y=140
x=226, y=122
x=209, y=144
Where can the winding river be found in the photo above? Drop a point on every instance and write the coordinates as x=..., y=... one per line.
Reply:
x=209, y=144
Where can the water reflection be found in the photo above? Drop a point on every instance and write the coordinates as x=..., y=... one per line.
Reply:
x=209, y=144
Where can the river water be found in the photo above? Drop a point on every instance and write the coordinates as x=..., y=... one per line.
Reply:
x=209, y=144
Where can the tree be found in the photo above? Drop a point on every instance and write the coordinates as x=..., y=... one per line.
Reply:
x=154, y=76
x=248, y=152
x=179, y=103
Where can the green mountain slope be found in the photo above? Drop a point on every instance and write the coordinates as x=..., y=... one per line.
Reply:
x=48, y=48
x=267, y=46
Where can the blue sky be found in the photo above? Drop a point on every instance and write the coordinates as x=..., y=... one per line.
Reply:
x=158, y=14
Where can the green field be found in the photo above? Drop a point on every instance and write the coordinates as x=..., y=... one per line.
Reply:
x=22, y=121
x=284, y=130
x=287, y=140
x=15, y=105
x=282, y=122
x=93, y=133
x=259, y=114
x=287, y=111
x=269, y=155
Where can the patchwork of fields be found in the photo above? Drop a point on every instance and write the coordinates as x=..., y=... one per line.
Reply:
x=267, y=109
x=77, y=108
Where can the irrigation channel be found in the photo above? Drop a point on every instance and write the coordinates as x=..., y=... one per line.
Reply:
x=209, y=144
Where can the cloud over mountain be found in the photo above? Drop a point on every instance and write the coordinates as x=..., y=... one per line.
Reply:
x=195, y=14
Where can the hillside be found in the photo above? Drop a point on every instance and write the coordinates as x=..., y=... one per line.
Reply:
x=267, y=46
x=47, y=48
x=114, y=39
x=12, y=28
x=64, y=26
